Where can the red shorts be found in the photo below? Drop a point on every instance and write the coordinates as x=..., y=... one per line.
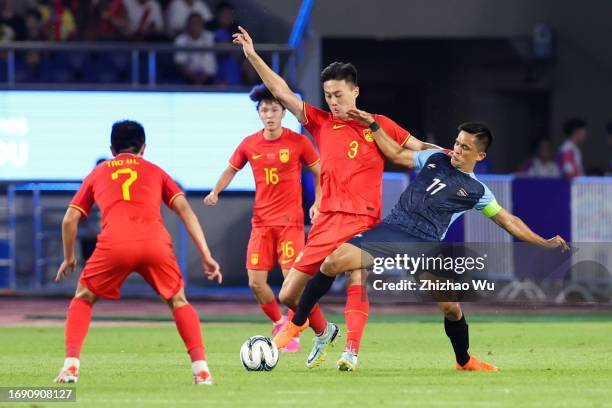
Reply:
x=109, y=267
x=329, y=231
x=268, y=244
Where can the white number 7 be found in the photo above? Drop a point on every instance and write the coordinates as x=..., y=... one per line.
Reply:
x=432, y=185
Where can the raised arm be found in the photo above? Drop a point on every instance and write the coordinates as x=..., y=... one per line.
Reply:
x=181, y=206
x=390, y=148
x=274, y=82
x=70, y=226
x=315, y=169
x=415, y=144
x=224, y=180
x=518, y=229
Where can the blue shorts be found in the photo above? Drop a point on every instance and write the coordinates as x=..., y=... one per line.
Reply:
x=389, y=240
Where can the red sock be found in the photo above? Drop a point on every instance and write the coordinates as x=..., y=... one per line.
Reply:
x=188, y=325
x=356, y=315
x=271, y=310
x=77, y=324
x=290, y=314
x=318, y=323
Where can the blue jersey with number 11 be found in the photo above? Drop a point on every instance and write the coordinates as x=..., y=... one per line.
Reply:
x=439, y=195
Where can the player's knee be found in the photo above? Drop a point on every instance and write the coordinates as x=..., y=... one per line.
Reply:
x=287, y=298
x=256, y=285
x=332, y=265
x=83, y=293
x=452, y=311
x=177, y=301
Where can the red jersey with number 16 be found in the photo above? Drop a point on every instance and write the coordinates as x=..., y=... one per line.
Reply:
x=129, y=191
x=277, y=169
x=351, y=163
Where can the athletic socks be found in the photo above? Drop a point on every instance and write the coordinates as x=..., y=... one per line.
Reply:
x=188, y=325
x=77, y=325
x=290, y=314
x=457, y=332
x=356, y=315
x=308, y=307
x=271, y=310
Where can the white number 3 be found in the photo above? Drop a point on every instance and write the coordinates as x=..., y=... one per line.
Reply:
x=432, y=185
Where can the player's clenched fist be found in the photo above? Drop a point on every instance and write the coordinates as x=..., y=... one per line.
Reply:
x=211, y=199
x=244, y=39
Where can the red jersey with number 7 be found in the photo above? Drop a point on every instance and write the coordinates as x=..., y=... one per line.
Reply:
x=129, y=191
x=351, y=163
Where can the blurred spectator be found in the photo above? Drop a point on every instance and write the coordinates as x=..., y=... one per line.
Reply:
x=144, y=18
x=58, y=19
x=105, y=20
x=570, y=157
x=542, y=163
x=34, y=26
x=179, y=10
x=12, y=26
x=197, y=67
x=224, y=25
x=34, y=32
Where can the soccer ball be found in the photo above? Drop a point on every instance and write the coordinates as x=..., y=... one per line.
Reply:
x=259, y=353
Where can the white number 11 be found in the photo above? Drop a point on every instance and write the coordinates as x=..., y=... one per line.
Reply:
x=432, y=185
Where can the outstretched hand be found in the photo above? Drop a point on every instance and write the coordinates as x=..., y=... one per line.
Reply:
x=244, y=39
x=558, y=242
x=362, y=117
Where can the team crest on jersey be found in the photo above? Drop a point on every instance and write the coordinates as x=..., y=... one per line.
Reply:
x=283, y=155
x=367, y=134
x=254, y=259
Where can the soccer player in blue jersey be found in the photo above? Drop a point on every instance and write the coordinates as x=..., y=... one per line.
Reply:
x=445, y=188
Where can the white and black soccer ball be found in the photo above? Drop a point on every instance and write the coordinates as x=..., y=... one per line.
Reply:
x=259, y=353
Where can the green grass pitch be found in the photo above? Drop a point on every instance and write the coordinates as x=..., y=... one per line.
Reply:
x=558, y=360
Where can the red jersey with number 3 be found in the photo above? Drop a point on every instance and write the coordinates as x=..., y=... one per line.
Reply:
x=129, y=191
x=277, y=169
x=351, y=163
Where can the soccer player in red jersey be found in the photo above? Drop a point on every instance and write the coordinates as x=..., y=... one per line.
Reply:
x=276, y=155
x=351, y=184
x=129, y=191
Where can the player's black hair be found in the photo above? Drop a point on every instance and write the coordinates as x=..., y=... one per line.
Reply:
x=480, y=131
x=261, y=93
x=573, y=124
x=609, y=128
x=127, y=136
x=340, y=71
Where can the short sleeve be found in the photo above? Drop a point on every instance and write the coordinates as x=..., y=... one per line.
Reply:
x=170, y=190
x=420, y=157
x=239, y=158
x=83, y=200
x=487, y=204
x=314, y=118
x=397, y=133
x=309, y=155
